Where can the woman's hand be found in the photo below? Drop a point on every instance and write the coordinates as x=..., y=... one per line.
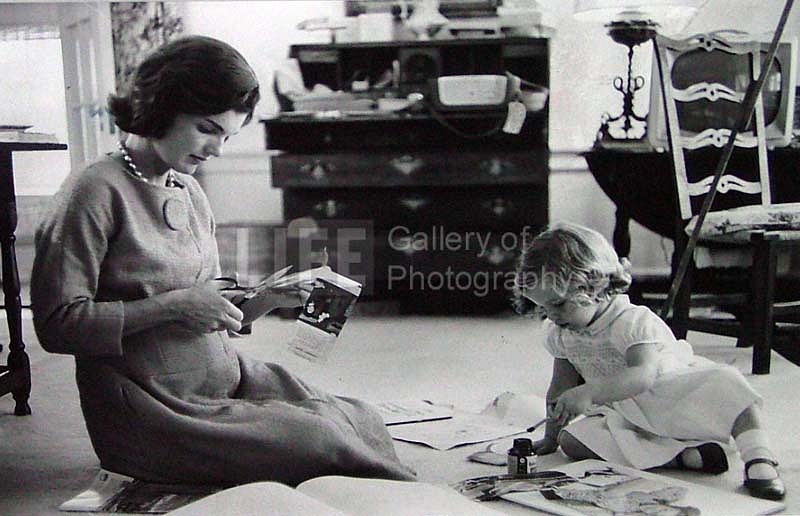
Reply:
x=572, y=403
x=545, y=446
x=203, y=309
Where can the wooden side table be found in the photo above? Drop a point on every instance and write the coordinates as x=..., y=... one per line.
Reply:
x=16, y=376
x=641, y=183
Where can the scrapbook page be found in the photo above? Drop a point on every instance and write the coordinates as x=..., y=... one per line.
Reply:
x=598, y=488
x=329, y=304
x=340, y=496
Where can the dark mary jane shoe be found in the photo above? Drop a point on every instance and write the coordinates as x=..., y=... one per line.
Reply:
x=772, y=489
x=713, y=457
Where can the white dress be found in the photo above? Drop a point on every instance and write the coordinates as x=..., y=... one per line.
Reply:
x=693, y=400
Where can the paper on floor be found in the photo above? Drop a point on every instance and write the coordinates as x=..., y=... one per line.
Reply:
x=506, y=415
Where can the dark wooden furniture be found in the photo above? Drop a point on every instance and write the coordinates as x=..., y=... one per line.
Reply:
x=15, y=377
x=639, y=180
x=443, y=210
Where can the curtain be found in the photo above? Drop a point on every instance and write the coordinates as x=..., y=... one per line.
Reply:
x=138, y=28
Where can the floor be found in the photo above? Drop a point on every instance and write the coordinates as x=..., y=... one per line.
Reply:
x=47, y=457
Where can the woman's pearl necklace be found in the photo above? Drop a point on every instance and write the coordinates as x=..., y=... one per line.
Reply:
x=135, y=172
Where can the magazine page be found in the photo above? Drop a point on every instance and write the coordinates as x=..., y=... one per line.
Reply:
x=594, y=487
x=258, y=498
x=281, y=289
x=324, y=314
x=261, y=299
x=372, y=496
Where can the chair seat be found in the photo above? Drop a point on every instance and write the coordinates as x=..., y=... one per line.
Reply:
x=736, y=224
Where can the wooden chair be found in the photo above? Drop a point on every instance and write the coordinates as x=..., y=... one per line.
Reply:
x=702, y=97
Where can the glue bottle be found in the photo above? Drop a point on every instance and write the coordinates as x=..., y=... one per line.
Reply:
x=521, y=459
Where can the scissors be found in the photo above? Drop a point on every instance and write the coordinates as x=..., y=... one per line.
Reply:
x=229, y=284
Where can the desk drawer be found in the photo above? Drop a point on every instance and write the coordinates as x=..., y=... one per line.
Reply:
x=463, y=277
x=381, y=169
x=349, y=169
x=423, y=268
x=499, y=167
x=463, y=207
x=474, y=130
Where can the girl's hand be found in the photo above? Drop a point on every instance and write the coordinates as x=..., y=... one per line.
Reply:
x=545, y=446
x=572, y=403
x=203, y=309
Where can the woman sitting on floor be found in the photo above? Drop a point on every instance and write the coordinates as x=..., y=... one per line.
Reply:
x=122, y=280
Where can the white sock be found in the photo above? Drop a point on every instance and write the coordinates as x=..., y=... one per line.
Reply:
x=754, y=444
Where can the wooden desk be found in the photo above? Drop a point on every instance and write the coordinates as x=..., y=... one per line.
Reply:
x=408, y=180
x=16, y=376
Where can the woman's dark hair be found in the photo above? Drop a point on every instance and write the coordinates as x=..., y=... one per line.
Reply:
x=194, y=75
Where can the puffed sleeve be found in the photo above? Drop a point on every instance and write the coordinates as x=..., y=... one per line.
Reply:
x=71, y=243
x=640, y=326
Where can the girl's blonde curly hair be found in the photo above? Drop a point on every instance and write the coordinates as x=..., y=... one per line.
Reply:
x=576, y=262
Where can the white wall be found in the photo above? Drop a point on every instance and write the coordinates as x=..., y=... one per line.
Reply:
x=31, y=73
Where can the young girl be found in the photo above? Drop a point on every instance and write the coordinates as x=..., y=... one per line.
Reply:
x=648, y=400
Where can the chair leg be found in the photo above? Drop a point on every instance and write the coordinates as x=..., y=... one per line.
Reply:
x=16, y=379
x=745, y=338
x=761, y=324
x=680, y=310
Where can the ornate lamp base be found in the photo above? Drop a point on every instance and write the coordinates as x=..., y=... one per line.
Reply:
x=630, y=125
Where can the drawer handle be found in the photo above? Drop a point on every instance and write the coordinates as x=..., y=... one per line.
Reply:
x=406, y=164
x=407, y=244
x=499, y=206
x=317, y=168
x=328, y=209
x=497, y=255
x=413, y=203
x=496, y=167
